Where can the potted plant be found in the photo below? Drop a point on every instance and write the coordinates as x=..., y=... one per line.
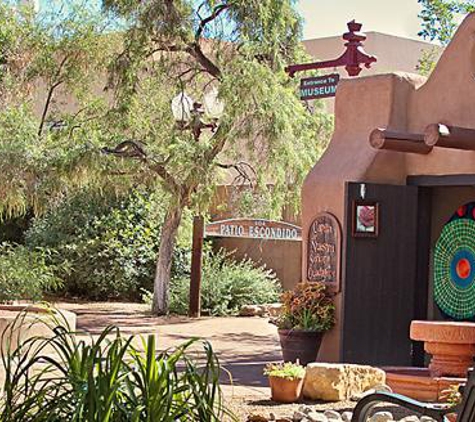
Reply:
x=285, y=380
x=307, y=313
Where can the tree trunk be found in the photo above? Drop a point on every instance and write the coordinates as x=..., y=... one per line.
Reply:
x=164, y=261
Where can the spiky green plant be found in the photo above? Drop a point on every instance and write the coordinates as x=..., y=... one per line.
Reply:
x=75, y=377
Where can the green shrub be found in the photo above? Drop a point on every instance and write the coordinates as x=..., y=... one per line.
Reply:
x=24, y=274
x=226, y=286
x=107, y=378
x=286, y=370
x=110, y=242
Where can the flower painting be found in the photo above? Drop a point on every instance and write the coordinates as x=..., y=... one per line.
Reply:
x=365, y=219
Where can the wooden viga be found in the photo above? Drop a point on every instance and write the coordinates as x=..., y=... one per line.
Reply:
x=435, y=135
x=398, y=141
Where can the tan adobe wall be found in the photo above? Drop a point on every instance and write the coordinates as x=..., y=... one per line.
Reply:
x=398, y=101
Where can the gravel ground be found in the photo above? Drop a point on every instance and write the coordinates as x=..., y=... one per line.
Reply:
x=245, y=406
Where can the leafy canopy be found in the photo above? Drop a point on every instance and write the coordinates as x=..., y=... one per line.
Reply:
x=440, y=18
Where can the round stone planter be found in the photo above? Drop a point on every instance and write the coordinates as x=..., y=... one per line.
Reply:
x=285, y=390
x=299, y=345
x=451, y=345
x=20, y=322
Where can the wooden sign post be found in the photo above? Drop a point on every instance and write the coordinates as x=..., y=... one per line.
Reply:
x=238, y=228
x=196, y=263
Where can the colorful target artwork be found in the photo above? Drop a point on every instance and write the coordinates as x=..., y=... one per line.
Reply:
x=454, y=265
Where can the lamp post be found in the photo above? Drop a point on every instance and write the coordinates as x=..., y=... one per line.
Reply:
x=190, y=114
x=195, y=116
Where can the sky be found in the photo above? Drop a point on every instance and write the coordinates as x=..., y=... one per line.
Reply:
x=325, y=18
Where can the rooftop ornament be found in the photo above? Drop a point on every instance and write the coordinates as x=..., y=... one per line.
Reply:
x=351, y=59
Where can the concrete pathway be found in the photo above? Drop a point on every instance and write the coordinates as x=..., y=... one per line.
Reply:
x=244, y=345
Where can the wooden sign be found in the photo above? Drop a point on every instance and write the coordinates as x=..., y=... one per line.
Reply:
x=254, y=229
x=319, y=87
x=323, y=250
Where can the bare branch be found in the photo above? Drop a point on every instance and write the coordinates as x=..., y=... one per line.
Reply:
x=214, y=15
x=197, y=52
x=51, y=90
x=127, y=149
x=245, y=172
x=135, y=149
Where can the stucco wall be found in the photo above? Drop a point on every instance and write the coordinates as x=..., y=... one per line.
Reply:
x=397, y=101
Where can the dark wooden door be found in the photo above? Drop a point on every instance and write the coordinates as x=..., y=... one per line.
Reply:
x=383, y=290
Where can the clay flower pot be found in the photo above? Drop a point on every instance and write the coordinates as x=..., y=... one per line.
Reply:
x=300, y=346
x=285, y=390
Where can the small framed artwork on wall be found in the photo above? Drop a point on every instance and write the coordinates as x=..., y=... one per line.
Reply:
x=365, y=219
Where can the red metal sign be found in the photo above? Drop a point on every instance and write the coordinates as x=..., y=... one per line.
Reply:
x=353, y=57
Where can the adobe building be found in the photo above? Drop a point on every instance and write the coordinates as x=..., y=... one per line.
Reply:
x=284, y=257
x=389, y=210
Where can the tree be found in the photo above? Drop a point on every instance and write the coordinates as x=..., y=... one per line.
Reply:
x=239, y=48
x=440, y=18
x=151, y=52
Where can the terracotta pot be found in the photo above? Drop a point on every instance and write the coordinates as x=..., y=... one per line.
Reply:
x=300, y=345
x=451, y=417
x=285, y=390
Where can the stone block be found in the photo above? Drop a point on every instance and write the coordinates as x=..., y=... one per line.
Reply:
x=335, y=382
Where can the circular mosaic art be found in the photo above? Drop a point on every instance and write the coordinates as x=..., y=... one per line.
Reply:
x=454, y=269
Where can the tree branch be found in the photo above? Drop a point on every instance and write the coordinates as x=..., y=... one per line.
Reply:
x=246, y=172
x=214, y=15
x=135, y=149
x=51, y=90
x=197, y=52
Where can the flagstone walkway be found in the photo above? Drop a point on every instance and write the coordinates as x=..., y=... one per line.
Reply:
x=244, y=345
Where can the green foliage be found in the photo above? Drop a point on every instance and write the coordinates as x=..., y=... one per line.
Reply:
x=428, y=61
x=25, y=274
x=71, y=377
x=440, y=18
x=286, y=370
x=110, y=242
x=117, y=128
x=308, y=307
x=226, y=286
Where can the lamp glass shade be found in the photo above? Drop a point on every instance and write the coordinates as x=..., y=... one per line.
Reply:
x=182, y=106
x=214, y=107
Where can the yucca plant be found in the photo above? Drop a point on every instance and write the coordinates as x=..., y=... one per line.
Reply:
x=77, y=378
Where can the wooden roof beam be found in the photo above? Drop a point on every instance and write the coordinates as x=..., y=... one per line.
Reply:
x=439, y=135
x=398, y=141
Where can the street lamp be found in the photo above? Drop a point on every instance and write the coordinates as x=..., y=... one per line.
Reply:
x=189, y=114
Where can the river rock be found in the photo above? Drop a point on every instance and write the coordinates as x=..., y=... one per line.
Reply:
x=274, y=309
x=298, y=416
x=336, y=381
x=381, y=417
x=250, y=310
x=427, y=419
x=332, y=416
x=347, y=416
x=411, y=418
x=316, y=417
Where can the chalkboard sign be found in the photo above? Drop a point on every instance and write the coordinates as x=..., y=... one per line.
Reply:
x=323, y=250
